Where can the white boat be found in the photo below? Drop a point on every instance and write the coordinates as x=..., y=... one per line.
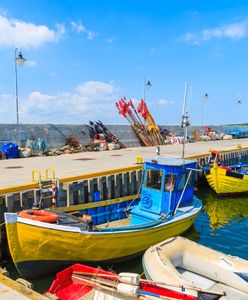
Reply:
x=186, y=265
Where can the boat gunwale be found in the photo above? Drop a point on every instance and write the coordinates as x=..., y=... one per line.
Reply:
x=179, y=238
x=125, y=229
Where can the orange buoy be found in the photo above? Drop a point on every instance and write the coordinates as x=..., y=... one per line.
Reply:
x=39, y=215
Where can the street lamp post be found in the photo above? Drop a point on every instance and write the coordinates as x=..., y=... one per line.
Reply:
x=205, y=97
x=147, y=85
x=236, y=115
x=20, y=60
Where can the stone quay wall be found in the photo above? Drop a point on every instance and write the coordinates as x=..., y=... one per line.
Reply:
x=55, y=134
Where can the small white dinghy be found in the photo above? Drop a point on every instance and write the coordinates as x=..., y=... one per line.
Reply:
x=184, y=264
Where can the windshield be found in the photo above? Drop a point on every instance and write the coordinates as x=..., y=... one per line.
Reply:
x=154, y=179
x=170, y=180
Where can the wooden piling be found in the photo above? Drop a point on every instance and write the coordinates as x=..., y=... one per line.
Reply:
x=103, y=188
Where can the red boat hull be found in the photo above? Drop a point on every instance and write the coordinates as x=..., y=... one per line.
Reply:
x=65, y=288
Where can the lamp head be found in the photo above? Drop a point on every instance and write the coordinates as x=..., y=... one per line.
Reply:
x=148, y=84
x=20, y=59
x=206, y=96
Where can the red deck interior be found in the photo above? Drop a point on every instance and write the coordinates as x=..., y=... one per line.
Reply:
x=64, y=288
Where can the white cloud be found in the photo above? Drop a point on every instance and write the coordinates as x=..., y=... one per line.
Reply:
x=190, y=38
x=31, y=63
x=90, y=100
x=210, y=34
x=234, y=31
x=40, y=101
x=78, y=27
x=96, y=89
x=91, y=35
x=164, y=102
x=17, y=33
x=60, y=31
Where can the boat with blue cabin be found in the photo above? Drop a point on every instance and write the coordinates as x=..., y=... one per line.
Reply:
x=40, y=243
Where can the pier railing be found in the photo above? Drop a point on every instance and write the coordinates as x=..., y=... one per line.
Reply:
x=76, y=191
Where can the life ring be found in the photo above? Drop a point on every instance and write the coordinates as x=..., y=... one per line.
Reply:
x=39, y=215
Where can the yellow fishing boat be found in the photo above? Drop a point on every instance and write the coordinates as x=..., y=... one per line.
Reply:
x=226, y=180
x=41, y=242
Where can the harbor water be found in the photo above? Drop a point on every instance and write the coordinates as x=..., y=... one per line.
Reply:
x=222, y=225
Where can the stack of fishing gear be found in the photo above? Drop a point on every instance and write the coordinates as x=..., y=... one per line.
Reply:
x=147, y=131
x=98, y=128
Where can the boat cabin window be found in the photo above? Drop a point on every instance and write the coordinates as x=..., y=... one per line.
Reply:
x=181, y=181
x=169, y=182
x=154, y=179
x=191, y=180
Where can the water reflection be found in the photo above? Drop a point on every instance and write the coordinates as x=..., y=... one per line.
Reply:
x=192, y=234
x=223, y=223
x=223, y=211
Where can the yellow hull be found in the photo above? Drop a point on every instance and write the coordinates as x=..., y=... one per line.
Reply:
x=224, y=182
x=34, y=243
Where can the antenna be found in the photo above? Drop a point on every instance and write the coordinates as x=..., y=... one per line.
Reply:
x=185, y=118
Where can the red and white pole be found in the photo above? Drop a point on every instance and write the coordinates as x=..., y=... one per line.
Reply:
x=53, y=194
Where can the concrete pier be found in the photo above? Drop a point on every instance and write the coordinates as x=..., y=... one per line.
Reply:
x=93, y=176
x=14, y=290
x=18, y=171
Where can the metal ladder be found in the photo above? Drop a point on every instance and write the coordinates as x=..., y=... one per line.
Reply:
x=47, y=192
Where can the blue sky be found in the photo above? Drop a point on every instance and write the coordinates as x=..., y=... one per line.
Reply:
x=82, y=56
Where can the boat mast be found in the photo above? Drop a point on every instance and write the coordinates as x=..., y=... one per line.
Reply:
x=185, y=118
